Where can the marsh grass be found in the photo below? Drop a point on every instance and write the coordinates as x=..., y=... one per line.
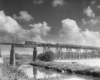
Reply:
x=11, y=73
x=8, y=72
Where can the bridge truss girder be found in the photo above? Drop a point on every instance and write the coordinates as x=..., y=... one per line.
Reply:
x=46, y=49
x=94, y=53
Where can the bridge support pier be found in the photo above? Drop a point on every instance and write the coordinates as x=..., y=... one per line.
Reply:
x=12, y=56
x=60, y=53
x=34, y=54
x=0, y=52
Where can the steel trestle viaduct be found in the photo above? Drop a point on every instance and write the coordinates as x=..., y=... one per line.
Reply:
x=72, y=51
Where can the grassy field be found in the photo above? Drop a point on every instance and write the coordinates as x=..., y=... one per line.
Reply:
x=8, y=72
x=11, y=73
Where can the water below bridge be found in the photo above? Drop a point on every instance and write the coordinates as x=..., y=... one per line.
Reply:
x=36, y=73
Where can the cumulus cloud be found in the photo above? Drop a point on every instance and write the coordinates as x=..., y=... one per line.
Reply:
x=8, y=28
x=84, y=21
x=38, y=1
x=11, y=31
x=71, y=33
x=93, y=18
x=92, y=38
x=58, y=2
x=91, y=21
x=93, y=2
x=98, y=6
x=24, y=15
x=40, y=28
x=89, y=12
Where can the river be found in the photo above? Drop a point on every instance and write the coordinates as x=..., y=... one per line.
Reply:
x=43, y=74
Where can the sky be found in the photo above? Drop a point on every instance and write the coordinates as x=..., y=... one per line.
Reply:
x=54, y=21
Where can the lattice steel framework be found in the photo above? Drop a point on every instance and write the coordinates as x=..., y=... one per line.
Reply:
x=93, y=53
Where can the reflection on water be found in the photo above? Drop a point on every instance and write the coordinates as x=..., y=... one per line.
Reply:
x=34, y=72
x=43, y=74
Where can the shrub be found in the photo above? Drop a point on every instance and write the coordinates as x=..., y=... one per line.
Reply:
x=18, y=57
x=47, y=56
